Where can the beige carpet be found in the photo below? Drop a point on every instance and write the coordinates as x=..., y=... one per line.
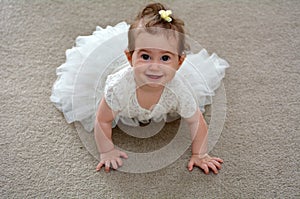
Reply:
x=43, y=157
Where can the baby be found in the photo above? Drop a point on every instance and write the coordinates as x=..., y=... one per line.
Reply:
x=150, y=89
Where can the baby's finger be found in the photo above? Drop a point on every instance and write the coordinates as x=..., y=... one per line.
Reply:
x=191, y=165
x=212, y=167
x=123, y=154
x=114, y=164
x=205, y=168
x=99, y=166
x=217, y=164
x=218, y=159
x=107, y=165
x=119, y=161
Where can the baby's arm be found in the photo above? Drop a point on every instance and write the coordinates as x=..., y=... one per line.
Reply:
x=199, y=135
x=109, y=156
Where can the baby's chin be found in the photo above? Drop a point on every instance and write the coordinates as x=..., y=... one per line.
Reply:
x=152, y=84
x=155, y=85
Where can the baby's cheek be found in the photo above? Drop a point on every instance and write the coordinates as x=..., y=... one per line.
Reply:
x=171, y=70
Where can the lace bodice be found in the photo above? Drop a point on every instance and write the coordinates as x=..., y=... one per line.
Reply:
x=120, y=95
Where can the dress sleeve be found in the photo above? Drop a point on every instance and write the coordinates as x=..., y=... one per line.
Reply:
x=115, y=89
x=187, y=107
x=187, y=103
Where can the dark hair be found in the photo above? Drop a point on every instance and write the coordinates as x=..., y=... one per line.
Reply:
x=150, y=21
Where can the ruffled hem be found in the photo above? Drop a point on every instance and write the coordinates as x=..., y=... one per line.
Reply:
x=76, y=91
x=204, y=74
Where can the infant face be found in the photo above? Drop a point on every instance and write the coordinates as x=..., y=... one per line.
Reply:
x=155, y=59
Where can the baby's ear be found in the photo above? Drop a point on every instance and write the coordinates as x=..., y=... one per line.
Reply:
x=181, y=59
x=129, y=56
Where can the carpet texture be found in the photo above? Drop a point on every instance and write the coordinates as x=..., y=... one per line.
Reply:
x=43, y=157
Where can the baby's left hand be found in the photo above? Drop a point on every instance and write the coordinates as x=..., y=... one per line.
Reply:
x=206, y=163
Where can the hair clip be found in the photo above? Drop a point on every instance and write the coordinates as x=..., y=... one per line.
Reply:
x=165, y=14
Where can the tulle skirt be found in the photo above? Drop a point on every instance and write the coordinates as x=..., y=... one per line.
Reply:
x=81, y=79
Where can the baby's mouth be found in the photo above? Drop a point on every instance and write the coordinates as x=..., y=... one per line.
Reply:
x=154, y=76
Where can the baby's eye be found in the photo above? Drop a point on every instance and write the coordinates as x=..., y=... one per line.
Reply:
x=145, y=57
x=165, y=58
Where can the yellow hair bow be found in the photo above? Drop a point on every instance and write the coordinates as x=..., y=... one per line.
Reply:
x=165, y=14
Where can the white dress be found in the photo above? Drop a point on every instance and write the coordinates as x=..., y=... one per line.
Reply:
x=97, y=67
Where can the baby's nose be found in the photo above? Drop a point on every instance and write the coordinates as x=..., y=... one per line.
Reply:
x=154, y=66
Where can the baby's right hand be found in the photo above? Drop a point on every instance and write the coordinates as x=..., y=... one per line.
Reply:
x=111, y=158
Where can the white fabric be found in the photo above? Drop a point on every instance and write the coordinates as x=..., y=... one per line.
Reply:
x=120, y=95
x=96, y=60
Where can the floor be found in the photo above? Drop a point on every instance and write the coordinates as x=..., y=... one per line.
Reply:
x=44, y=157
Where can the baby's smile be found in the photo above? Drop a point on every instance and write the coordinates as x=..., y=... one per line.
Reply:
x=155, y=77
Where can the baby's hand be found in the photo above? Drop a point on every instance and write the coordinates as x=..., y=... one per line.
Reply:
x=205, y=162
x=111, y=158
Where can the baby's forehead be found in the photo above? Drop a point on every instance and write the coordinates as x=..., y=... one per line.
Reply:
x=156, y=41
